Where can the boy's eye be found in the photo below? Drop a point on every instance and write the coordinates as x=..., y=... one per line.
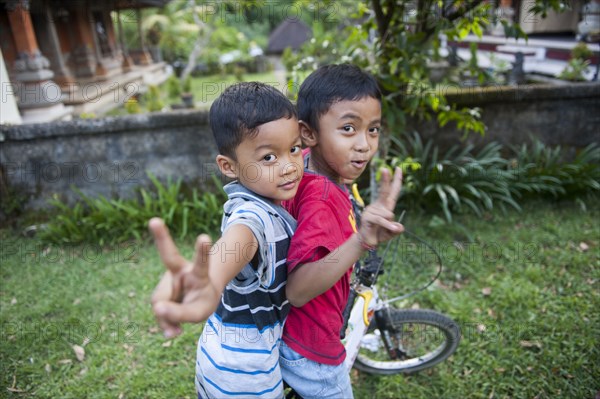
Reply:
x=295, y=149
x=375, y=130
x=348, y=128
x=269, y=158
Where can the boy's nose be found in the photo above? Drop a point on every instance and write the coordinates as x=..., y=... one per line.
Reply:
x=362, y=143
x=289, y=167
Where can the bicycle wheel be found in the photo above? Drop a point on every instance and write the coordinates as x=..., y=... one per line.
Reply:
x=406, y=341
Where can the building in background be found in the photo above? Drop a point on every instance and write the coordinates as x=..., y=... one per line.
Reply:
x=66, y=58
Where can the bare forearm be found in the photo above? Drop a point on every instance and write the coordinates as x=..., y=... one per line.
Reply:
x=310, y=280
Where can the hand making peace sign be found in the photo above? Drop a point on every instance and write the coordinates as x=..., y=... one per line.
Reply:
x=178, y=297
x=377, y=219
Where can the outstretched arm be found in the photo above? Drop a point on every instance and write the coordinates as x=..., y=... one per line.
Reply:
x=310, y=280
x=190, y=291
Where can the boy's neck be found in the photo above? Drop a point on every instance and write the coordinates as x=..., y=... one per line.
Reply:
x=320, y=166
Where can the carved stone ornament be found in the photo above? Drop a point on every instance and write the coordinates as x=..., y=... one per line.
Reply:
x=31, y=62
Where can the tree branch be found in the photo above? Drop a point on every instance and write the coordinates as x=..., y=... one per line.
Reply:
x=461, y=12
x=382, y=19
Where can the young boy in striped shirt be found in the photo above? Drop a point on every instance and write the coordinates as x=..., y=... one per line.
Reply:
x=238, y=286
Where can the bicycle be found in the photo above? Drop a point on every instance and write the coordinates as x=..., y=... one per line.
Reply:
x=381, y=339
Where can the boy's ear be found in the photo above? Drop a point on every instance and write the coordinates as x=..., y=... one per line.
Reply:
x=227, y=166
x=307, y=134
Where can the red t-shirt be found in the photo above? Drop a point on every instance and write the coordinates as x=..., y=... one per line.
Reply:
x=325, y=221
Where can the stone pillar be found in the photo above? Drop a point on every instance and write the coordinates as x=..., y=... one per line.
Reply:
x=145, y=57
x=49, y=42
x=127, y=61
x=39, y=97
x=83, y=51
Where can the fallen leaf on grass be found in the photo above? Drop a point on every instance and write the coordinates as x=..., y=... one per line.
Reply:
x=481, y=328
x=14, y=385
x=153, y=330
x=531, y=344
x=583, y=246
x=79, y=352
x=13, y=301
x=48, y=368
x=167, y=344
x=65, y=361
x=487, y=291
x=128, y=348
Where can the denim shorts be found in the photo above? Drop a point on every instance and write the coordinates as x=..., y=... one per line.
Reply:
x=311, y=379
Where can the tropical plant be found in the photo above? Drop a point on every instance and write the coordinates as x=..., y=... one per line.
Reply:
x=153, y=99
x=132, y=106
x=539, y=169
x=174, y=87
x=110, y=221
x=461, y=178
x=454, y=179
x=396, y=40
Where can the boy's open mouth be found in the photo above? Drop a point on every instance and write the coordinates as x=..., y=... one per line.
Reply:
x=358, y=164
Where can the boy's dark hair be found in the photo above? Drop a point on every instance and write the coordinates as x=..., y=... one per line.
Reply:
x=330, y=84
x=241, y=109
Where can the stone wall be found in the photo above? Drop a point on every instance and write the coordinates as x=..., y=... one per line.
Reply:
x=110, y=156
x=566, y=115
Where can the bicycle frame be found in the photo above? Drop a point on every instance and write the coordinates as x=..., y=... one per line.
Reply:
x=364, y=307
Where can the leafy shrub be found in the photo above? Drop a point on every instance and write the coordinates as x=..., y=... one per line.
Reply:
x=455, y=179
x=186, y=85
x=539, y=169
x=110, y=221
x=578, y=63
x=132, y=106
x=174, y=87
x=461, y=179
x=153, y=99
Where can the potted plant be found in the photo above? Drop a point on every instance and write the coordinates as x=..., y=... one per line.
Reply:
x=187, y=96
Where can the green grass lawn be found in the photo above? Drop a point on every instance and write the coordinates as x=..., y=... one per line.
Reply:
x=525, y=288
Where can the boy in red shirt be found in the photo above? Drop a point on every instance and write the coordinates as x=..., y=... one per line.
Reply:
x=339, y=108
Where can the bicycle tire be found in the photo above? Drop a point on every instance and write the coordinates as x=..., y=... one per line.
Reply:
x=399, y=325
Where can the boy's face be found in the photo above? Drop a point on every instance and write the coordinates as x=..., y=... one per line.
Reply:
x=347, y=139
x=270, y=163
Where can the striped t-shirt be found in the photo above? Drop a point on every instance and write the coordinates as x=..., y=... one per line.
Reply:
x=238, y=351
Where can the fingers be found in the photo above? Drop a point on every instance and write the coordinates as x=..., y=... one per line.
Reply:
x=161, y=311
x=163, y=289
x=203, y=247
x=395, y=189
x=384, y=223
x=170, y=315
x=167, y=249
x=389, y=189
